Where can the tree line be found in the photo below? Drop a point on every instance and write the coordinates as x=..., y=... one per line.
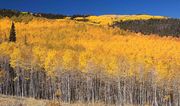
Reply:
x=162, y=27
x=19, y=15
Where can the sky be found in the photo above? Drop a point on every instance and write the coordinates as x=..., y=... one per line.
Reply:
x=170, y=8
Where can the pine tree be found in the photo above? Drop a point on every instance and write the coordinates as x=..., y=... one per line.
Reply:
x=12, y=37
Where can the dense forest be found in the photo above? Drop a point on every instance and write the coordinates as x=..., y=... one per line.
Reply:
x=75, y=61
x=19, y=16
x=162, y=27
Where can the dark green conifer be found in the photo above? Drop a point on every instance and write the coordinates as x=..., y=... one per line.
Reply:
x=12, y=37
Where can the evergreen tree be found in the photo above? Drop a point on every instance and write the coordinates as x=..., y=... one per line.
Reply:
x=12, y=37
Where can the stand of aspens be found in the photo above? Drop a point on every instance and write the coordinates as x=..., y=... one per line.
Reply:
x=90, y=74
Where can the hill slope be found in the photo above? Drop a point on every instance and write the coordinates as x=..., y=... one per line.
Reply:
x=80, y=61
x=162, y=27
x=111, y=19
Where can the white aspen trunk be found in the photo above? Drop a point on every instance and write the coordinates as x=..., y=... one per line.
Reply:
x=22, y=75
x=89, y=88
x=69, y=92
x=119, y=91
x=93, y=87
x=155, y=96
x=124, y=92
x=105, y=94
x=131, y=92
x=109, y=93
x=32, y=92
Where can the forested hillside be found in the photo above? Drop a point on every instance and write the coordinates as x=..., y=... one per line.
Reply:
x=162, y=27
x=111, y=19
x=14, y=13
x=75, y=61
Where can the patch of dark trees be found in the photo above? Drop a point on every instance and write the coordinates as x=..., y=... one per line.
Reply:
x=162, y=27
x=14, y=13
x=10, y=13
x=78, y=15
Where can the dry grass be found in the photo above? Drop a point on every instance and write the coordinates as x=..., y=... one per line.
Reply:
x=18, y=101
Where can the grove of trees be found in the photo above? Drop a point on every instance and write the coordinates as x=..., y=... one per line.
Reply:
x=79, y=61
x=162, y=27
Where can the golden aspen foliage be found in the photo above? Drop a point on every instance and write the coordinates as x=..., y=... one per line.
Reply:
x=70, y=60
x=110, y=19
x=6, y=49
x=39, y=56
x=84, y=58
x=52, y=62
x=15, y=58
x=71, y=45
